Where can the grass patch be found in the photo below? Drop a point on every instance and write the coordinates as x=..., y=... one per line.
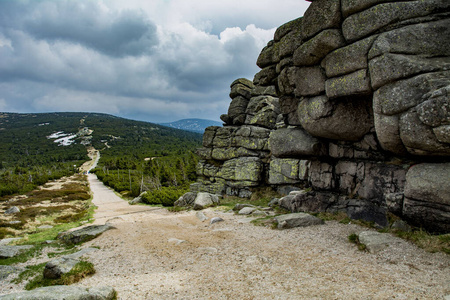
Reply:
x=81, y=270
x=177, y=208
x=428, y=242
x=24, y=256
x=265, y=222
x=30, y=272
x=353, y=238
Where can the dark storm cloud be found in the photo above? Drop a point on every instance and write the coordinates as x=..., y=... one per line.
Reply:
x=86, y=23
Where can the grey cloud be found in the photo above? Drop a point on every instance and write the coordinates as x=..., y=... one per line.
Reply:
x=128, y=33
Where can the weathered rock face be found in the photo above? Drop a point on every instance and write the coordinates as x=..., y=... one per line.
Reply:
x=353, y=102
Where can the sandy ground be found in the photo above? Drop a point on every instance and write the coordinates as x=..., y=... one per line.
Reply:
x=155, y=254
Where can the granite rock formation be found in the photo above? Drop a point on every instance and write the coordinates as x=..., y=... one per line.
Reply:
x=352, y=102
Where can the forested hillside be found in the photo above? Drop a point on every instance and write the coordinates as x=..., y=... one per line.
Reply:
x=35, y=148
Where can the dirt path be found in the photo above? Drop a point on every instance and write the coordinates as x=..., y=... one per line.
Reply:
x=109, y=205
x=154, y=254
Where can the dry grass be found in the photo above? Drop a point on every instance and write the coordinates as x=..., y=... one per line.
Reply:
x=62, y=201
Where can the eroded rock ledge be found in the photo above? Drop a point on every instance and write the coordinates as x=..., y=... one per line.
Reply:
x=352, y=102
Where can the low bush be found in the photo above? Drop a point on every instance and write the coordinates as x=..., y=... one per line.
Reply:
x=165, y=196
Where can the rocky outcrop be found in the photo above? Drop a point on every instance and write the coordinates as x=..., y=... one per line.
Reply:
x=352, y=102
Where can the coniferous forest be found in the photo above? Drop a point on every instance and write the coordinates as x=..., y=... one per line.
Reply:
x=135, y=156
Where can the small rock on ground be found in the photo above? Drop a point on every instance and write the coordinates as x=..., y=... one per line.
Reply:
x=201, y=216
x=297, y=220
x=247, y=210
x=83, y=234
x=376, y=241
x=12, y=210
x=175, y=241
x=215, y=220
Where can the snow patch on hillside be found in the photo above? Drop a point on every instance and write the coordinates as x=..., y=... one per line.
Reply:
x=63, y=139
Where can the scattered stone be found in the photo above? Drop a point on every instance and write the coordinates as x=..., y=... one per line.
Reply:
x=215, y=220
x=176, y=241
x=274, y=202
x=63, y=292
x=186, y=200
x=240, y=206
x=12, y=210
x=247, y=210
x=401, y=225
x=56, y=268
x=245, y=220
x=81, y=252
x=5, y=271
x=258, y=213
x=204, y=200
x=12, y=251
x=84, y=234
x=45, y=227
x=297, y=220
x=8, y=240
x=14, y=222
x=209, y=250
x=201, y=216
x=375, y=241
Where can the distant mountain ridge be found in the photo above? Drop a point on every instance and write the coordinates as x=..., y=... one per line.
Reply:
x=194, y=125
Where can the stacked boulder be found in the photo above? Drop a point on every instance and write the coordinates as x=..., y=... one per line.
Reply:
x=234, y=157
x=353, y=102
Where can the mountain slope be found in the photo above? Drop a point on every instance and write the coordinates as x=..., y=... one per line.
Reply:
x=194, y=125
x=51, y=137
x=35, y=148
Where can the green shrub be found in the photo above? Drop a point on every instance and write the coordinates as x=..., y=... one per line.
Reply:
x=165, y=196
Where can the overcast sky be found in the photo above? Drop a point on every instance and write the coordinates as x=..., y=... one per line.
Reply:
x=153, y=60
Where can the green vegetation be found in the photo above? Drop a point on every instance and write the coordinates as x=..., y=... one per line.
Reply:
x=133, y=175
x=426, y=241
x=165, y=195
x=69, y=204
x=353, y=238
x=81, y=270
x=28, y=158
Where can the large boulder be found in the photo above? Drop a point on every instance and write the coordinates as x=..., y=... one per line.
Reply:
x=384, y=16
x=321, y=14
x=313, y=51
x=336, y=120
x=427, y=197
x=63, y=292
x=186, y=200
x=204, y=200
x=263, y=111
x=291, y=142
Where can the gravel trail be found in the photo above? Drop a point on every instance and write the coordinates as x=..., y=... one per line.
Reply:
x=155, y=254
